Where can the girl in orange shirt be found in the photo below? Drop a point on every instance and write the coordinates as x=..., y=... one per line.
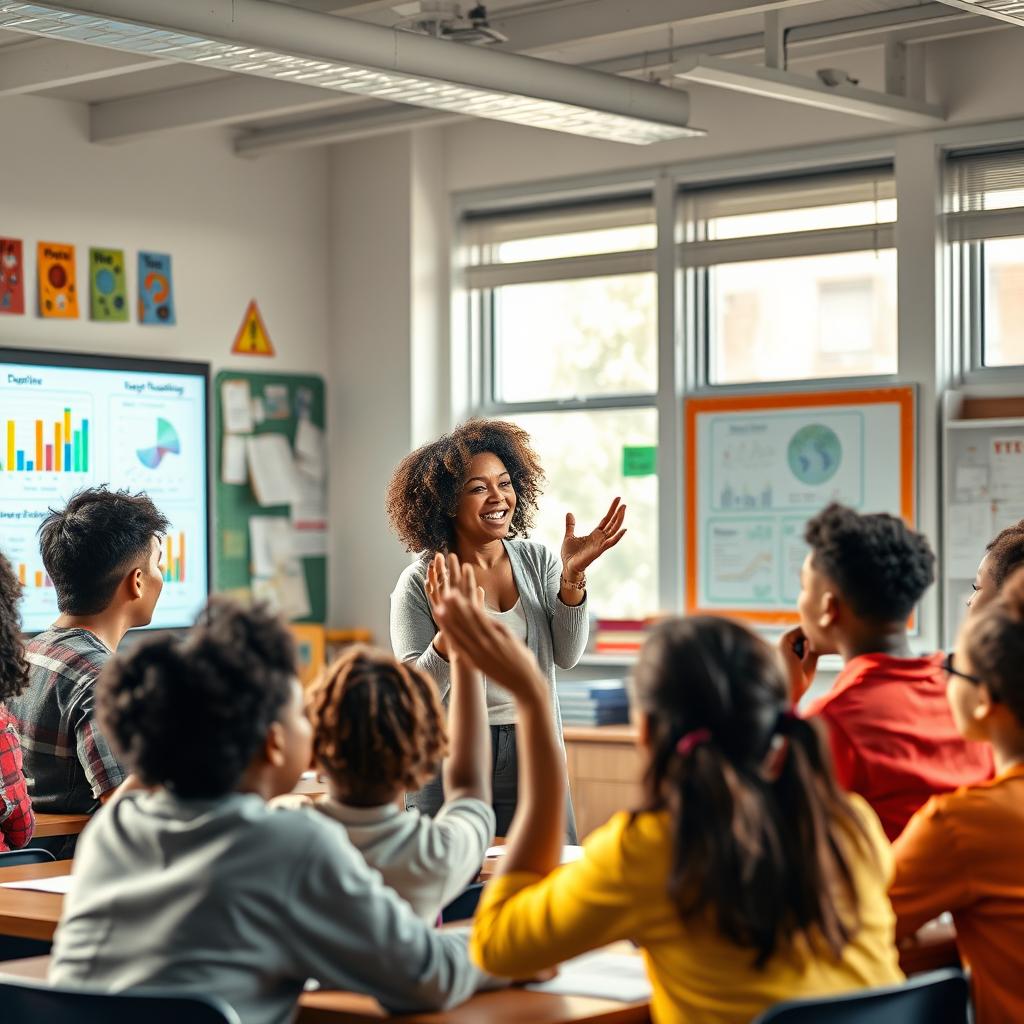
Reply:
x=963, y=851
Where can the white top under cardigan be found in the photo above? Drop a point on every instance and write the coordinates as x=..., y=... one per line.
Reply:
x=555, y=632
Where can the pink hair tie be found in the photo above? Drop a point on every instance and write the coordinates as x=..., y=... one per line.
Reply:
x=691, y=740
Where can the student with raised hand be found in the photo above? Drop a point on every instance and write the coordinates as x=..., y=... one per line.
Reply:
x=747, y=877
x=892, y=735
x=1002, y=555
x=197, y=884
x=379, y=731
x=103, y=552
x=963, y=851
x=17, y=821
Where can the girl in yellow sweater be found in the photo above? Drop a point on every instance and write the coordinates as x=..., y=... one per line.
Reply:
x=748, y=877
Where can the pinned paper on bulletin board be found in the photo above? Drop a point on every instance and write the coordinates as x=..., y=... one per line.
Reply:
x=252, y=338
x=156, y=289
x=12, y=276
x=639, y=460
x=108, y=293
x=58, y=293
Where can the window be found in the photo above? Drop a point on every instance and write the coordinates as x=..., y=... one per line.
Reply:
x=564, y=300
x=984, y=205
x=793, y=279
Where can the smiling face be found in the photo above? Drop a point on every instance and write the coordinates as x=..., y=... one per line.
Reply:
x=486, y=502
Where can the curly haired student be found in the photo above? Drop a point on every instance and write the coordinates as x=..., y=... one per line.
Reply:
x=17, y=821
x=474, y=492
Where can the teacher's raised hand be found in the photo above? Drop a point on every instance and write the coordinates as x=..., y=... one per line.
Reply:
x=578, y=553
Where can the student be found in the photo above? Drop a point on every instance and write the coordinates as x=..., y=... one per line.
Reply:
x=198, y=884
x=962, y=852
x=746, y=878
x=892, y=735
x=102, y=551
x=16, y=818
x=1002, y=556
x=379, y=731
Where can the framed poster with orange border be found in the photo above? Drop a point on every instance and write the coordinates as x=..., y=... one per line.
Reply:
x=757, y=467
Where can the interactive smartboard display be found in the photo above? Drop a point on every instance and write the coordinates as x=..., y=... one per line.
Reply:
x=69, y=421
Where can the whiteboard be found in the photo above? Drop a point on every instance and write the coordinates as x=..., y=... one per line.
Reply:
x=759, y=466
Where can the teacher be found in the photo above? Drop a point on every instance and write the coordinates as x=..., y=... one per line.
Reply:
x=474, y=492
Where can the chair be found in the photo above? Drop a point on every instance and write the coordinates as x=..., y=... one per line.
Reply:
x=28, y=1002
x=939, y=997
x=30, y=855
x=463, y=907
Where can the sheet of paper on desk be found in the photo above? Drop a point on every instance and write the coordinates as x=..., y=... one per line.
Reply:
x=569, y=853
x=601, y=975
x=236, y=405
x=59, y=884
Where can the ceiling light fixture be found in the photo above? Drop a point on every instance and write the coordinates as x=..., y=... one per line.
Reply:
x=255, y=37
x=773, y=83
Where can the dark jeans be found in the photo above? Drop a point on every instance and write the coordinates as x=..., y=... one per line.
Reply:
x=505, y=786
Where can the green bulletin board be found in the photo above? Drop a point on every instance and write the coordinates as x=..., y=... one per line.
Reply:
x=236, y=503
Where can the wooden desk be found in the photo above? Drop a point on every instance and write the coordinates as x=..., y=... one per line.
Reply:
x=60, y=824
x=510, y=1006
x=27, y=914
x=604, y=771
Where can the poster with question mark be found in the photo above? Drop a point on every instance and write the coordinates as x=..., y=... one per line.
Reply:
x=156, y=289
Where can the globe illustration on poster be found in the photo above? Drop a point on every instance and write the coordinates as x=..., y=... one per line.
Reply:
x=814, y=454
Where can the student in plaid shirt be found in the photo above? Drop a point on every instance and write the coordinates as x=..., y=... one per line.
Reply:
x=16, y=818
x=103, y=552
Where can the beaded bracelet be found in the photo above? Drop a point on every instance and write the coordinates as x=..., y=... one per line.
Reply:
x=582, y=585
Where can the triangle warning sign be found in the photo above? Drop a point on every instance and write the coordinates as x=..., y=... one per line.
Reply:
x=252, y=338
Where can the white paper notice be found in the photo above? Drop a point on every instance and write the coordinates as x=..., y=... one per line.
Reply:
x=601, y=975
x=59, y=884
x=970, y=529
x=1006, y=463
x=285, y=593
x=271, y=547
x=233, y=466
x=1007, y=513
x=236, y=406
x=259, y=412
x=309, y=450
x=970, y=482
x=272, y=469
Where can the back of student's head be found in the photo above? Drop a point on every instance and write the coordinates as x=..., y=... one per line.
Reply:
x=994, y=644
x=190, y=714
x=1006, y=552
x=880, y=566
x=377, y=723
x=90, y=544
x=761, y=831
x=13, y=668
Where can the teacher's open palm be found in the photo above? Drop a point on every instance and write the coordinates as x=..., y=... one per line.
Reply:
x=580, y=552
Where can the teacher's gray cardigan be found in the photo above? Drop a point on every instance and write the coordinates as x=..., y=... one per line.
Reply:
x=555, y=632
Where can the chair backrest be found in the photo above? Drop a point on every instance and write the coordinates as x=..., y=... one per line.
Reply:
x=29, y=1002
x=31, y=855
x=463, y=907
x=939, y=997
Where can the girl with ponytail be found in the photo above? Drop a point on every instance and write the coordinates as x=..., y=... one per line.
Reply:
x=747, y=877
x=963, y=851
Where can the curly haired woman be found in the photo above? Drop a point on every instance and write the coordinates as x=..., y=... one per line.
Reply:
x=17, y=821
x=474, y=493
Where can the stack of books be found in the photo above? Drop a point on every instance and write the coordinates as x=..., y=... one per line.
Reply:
x=598, y=702
x=620, y=636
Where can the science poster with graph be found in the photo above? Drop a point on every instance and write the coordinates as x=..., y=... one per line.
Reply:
x=69, y=422
x=759, y=466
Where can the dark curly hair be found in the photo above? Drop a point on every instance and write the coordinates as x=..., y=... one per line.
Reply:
x=90, y=544
x=1006, y=552
x=377, y=723
x=424, y=491
x=13, y=667
x=880, y=565
x=191, y=714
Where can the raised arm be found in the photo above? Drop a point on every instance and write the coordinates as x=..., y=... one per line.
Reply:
x=414, y=634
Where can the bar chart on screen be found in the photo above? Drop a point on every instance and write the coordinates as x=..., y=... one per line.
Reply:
x=44, y=441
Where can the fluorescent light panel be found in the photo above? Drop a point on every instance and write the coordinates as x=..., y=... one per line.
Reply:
x=1003, y=10
x=437, y=94
x=774, y=83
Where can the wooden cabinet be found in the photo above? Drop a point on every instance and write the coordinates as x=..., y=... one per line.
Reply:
x=604, y=773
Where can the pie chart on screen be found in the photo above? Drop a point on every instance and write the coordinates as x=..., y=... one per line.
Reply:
x=167, y=443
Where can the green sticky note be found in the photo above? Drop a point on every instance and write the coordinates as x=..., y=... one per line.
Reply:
x=641, y=460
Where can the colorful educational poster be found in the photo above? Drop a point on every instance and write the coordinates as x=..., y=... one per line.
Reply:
x=58, y=292
x=758, y=467
x=156, y=289
x=12, y=276
x=108, y=293
x=252, y=338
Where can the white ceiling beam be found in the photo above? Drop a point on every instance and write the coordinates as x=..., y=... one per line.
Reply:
x=531, y=30
x=346, y=7
x=209, y=104
x=1003, y=10
x=40, y=64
